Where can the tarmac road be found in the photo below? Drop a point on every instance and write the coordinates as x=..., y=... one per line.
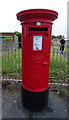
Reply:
x=12, y=107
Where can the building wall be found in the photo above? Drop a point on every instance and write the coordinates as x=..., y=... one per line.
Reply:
x=7, y=34
x=56, y=42
x=67, y=43
x=8, y=45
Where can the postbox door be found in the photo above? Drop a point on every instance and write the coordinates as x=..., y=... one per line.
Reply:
x=40, y=60
x=36, y=72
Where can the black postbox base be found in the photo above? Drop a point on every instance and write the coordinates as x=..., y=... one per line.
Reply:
x=34, y=101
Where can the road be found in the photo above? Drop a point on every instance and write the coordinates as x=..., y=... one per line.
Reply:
x=12, y=107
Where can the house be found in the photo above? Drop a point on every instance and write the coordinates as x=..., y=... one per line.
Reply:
x=3, y=35
x=55, y=41
x=8, y=45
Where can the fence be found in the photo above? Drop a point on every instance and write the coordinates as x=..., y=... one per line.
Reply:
x=11, y=57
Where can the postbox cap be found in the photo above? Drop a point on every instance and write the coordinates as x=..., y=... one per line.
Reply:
x=32, y=15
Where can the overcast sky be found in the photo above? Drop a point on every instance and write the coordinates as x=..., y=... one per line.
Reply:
x=9, y=9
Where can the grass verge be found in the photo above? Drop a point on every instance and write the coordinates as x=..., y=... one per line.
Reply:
x=11, y=64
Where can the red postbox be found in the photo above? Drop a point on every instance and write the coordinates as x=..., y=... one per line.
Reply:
x=36, y=43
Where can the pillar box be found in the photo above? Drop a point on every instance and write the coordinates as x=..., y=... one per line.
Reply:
x=36, y=43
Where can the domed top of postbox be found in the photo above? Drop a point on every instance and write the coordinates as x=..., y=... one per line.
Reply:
x=33, y=15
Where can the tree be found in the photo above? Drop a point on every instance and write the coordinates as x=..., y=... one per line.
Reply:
x=53, y=36
x=19, y=37
x=59, y=36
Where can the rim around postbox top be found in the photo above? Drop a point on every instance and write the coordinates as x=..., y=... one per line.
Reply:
x=37, y=14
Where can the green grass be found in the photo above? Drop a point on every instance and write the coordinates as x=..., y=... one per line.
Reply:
x=11, y=64
x=62, y=91
x=66, y=49
x=58, y=66
x=57, y=47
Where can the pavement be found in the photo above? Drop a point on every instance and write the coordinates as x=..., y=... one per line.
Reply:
x=12, y=106
x=66, y=55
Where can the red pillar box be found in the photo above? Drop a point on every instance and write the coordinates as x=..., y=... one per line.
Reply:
x=36, y=43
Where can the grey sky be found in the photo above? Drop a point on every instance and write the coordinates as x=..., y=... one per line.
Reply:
x=9, y=9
